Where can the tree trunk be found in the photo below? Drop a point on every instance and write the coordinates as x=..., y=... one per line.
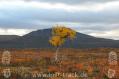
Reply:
x=56, y=54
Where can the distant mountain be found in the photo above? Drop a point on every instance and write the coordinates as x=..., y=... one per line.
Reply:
x=39, y=39
x=8, y=37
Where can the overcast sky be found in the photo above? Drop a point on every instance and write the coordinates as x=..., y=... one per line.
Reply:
x=98, y=18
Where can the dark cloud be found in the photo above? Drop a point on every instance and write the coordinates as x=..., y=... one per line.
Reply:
x=30, y=17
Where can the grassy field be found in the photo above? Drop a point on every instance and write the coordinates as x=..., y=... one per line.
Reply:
x=71, y=64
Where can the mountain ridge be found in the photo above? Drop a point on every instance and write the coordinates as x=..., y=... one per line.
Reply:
x=39, y=39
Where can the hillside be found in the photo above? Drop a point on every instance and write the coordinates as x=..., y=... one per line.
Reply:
x=39, y=39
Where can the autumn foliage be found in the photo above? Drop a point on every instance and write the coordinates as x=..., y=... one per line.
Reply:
x=60, y=33
x=56, y=41
x=41, y=61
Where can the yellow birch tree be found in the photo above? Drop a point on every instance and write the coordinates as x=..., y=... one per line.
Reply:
x=59, y=35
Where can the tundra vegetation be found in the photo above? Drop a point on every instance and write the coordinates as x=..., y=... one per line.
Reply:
x=91, y=63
